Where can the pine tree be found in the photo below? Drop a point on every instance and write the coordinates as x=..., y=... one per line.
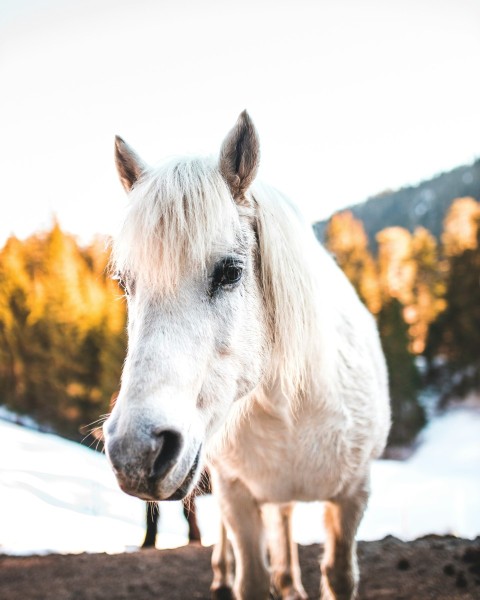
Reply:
x=398, y=267
x=62, y=331
x=459, y=227
x=407, y=415
x=455, y=335
x=428, y=288
x=346, y=239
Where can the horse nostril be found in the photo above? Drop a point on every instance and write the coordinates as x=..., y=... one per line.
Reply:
x=168, y=448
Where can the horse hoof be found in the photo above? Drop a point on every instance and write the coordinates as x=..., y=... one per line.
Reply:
x=295, y=595
x=223, y=593
x=290, y=594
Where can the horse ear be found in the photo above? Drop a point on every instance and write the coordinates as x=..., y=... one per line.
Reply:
x=129, y=165
x=240, y=156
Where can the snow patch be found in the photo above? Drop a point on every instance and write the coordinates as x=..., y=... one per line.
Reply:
x=58, y=496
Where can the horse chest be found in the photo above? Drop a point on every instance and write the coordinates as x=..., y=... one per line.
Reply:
x=283, y=460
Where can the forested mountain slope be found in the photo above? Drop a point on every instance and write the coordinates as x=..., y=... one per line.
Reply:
x=423, y=205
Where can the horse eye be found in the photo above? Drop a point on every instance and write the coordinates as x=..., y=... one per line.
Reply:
x=232, y=273
x=227, y=272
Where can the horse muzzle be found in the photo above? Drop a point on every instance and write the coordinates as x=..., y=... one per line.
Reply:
x=154, y=466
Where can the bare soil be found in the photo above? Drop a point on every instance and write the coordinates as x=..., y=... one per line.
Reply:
x=432, y=567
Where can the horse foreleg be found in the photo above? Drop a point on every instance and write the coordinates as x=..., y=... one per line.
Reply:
x=190, y=513
x=152, y=515
x=285, y=568
x=241, y=514
x=339, y=565
x=222, y=566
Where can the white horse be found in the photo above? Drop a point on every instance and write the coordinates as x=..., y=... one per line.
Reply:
x=248, y=350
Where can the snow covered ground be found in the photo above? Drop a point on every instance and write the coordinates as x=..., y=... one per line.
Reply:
x=57, y=496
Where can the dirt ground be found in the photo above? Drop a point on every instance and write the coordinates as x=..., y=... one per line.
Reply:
x=433, y=567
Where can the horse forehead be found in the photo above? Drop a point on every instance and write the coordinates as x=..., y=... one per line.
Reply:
x=184, y=307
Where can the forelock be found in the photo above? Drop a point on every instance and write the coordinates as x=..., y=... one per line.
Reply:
x=179, y=214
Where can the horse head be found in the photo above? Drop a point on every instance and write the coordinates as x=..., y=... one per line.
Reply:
x=187, y=259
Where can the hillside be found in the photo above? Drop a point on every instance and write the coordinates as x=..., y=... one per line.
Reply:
x=422, y=205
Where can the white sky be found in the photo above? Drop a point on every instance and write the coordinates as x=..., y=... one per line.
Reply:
x=350, y=97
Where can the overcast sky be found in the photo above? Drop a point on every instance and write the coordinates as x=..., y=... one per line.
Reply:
x=350, y=97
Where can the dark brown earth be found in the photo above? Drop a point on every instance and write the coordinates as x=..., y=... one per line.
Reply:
x=433, y=567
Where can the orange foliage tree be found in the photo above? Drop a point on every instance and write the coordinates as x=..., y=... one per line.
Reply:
x=62, y=339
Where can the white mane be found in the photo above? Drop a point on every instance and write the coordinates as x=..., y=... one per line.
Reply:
x=292, y=262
